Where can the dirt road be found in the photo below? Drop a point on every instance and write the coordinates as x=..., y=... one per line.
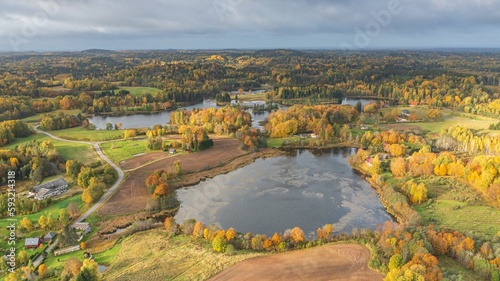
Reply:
x=332, y=262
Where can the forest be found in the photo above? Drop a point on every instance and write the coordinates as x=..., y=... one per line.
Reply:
x=416, y=166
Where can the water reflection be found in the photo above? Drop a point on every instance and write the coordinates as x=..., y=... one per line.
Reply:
x=271, y=195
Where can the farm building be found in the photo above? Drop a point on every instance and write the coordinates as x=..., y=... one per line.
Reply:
x=66, y=250
x=49, y=189
x=32, y=243
x=47, y=238
x=82, y=226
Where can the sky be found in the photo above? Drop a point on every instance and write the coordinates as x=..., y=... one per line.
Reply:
x=72, y=25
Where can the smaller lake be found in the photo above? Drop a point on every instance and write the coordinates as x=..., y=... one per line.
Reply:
x=275, y=194
x=162, y=118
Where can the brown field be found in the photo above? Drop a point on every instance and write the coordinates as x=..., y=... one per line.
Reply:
x=333, y=262
x=132, y=195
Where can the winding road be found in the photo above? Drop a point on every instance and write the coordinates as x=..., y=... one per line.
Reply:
x=110, y=191
x=101, y=201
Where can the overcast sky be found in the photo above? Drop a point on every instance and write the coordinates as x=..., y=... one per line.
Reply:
x=43, y=25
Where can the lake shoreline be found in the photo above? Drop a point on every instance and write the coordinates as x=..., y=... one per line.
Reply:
x=194, y=178
x=216, y=194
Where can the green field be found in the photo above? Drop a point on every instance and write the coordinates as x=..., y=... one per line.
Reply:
x=107, y=257
x=84, y=153
x=153, y=255
x=53, y=262
x=455, y=205
x=461, y=216
x=278, y=142
x=139, y=91
x=82, y=134
x=251, y=97
x=478, y=123
x=104, y=258
x=450, y=118
x=452, y=270
x=118, y=151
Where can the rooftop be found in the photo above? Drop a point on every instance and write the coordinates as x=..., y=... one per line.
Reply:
x=51, y=184
x=31, y=241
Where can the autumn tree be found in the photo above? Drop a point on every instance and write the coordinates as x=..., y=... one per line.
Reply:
x=277, y=239
x=230, y=234
x=434, y=114
x=88, y=271
x=26, y=224
x=198, y=229
x=42, y=270
x=42, y=222
x=398, y=167
x=375, y=168
x=93, y=192
x=161, y=190
x=22, y=257
x=268, y=245
x=328, y=230
x=73, y=209
x=297, y=235
x=170, y=225
x=397, y=150
x=320, y=233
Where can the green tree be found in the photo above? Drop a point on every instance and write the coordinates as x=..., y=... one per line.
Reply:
x=396, y=262
x=84, y=177
x=73, y=168
x=64, y=217
x=219, y=244
x=177, y=167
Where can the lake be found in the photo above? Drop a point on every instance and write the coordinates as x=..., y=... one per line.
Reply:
x=162, y=118
x=275, y=194
x=149, y=120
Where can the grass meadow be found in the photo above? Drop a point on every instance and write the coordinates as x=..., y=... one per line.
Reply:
x=154, y=255
x=118, y=151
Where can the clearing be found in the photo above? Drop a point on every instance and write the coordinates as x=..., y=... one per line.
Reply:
x=121, y=150
x=82, y=134
x=457, y=206
x=132, y=195
x=84, y=153
x=139, y=91
x=331, y=262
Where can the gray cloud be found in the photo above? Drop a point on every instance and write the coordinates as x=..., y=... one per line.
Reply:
x=40, y=24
